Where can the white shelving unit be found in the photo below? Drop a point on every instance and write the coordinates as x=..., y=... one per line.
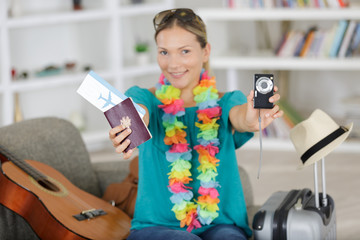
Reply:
x=232, y=62
x=275, y=63
x=271, y=14
x=95, y=36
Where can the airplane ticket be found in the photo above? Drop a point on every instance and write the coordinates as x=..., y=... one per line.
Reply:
x=101, y=94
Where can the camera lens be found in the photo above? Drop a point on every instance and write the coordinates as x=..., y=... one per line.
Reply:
x=264, y=85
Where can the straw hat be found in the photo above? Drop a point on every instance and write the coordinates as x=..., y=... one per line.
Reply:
x=317, y=136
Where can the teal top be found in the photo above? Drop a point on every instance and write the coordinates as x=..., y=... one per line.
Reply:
x=153, y=205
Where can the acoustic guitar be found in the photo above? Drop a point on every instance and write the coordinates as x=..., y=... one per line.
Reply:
x=54, y=207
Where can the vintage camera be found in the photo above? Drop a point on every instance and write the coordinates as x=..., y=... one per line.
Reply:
x=263, y=90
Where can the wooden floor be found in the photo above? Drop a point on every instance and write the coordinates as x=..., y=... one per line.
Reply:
x=342, y=182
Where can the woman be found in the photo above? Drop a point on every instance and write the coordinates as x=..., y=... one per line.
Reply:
x=188, y=175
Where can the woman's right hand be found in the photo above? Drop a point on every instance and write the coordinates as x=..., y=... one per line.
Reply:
x=119, y=141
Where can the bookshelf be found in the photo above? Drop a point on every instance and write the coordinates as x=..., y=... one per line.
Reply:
x=275, y=63
x=237, y=58
x=53, y=34
x=272, y=14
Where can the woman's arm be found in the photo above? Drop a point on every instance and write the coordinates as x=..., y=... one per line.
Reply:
x=245, y=118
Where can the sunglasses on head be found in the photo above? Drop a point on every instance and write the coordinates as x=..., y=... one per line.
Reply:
x=182, y=14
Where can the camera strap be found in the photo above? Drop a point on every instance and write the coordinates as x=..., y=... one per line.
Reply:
x=260, y=139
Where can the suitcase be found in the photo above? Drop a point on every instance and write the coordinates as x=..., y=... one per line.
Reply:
x=294, y=215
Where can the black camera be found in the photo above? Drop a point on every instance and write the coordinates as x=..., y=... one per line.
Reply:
x=263, y=90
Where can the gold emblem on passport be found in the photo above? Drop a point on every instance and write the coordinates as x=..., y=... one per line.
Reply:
x=125, y=121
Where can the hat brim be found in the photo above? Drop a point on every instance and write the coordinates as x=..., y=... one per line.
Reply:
x=327, y=149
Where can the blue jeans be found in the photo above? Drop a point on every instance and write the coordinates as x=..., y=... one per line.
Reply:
x=219, y=232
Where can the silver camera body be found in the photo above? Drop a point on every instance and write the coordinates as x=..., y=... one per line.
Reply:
x=263, y=90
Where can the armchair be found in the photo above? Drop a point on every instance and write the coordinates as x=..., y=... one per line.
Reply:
x=57, y=143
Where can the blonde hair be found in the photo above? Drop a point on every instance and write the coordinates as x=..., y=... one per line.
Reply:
x=196, y=27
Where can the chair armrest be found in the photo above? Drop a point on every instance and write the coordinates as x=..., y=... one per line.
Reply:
x=251, y=211
x=110, y=172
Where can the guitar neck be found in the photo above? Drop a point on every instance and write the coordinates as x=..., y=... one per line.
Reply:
x=22, y=165
x=29, y=169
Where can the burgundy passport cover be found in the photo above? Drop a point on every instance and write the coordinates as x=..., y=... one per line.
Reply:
x=126, y=114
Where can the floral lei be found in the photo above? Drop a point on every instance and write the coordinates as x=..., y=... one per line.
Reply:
x=192, y=213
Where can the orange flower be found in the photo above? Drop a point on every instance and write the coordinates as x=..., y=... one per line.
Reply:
x=207, y=199
x=208, y=82
x=167, y=101
x=179, y=137
x=204, y=118
x=203, y=153
x=184, y=180
x=213, y=160
x=189, y=218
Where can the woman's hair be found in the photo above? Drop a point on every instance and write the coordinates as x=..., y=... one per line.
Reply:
x=196, y=26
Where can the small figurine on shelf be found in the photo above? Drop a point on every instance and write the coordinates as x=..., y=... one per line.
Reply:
x=49, y=70
x=142, y=53
x=77, y=5
x=18, y=76
x=13, y=74
x=23, y=75
x=70, y=66
x=87, y=68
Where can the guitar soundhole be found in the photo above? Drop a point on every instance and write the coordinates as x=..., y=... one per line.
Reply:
x=48, y=185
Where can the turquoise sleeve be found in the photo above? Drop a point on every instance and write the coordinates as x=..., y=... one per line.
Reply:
x=231, y=100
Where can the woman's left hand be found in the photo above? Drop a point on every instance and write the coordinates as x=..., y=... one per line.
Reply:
x=267, y=115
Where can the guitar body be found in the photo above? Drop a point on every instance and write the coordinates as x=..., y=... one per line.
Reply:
x=50, y=211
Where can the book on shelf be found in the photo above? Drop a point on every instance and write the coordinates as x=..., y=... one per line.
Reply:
x=325, y=47
x=292, y=40
x=280, y=128
x=316, y=45
x=339, y=35
x=309, y=38
x=354, y=42
x=341, y=40
x=285, y=3
x=347, y=38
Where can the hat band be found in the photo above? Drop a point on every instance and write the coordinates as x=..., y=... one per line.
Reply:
x=325, y=141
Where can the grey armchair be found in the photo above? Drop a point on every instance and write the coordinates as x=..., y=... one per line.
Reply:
x=57, y=143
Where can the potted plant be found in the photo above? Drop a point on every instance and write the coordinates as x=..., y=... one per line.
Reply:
x=142, y=53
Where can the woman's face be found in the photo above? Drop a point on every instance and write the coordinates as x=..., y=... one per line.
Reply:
x=181, y=57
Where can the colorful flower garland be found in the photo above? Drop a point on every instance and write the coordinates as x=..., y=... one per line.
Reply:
x=192, y=213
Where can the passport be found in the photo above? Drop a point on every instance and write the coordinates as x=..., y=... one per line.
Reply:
x=126, y=114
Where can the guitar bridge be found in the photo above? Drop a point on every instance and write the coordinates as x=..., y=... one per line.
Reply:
x=89, y=214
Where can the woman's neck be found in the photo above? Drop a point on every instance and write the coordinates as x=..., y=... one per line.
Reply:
x=188, y=96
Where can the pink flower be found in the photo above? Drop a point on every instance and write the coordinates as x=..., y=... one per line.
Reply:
x=209, y=191
x=210, y=112
x=212, y=150
x=173, y=108
x=205, y=75
x=194, y=222
x=178, y=187
x=161, y=79
x=179, y=148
